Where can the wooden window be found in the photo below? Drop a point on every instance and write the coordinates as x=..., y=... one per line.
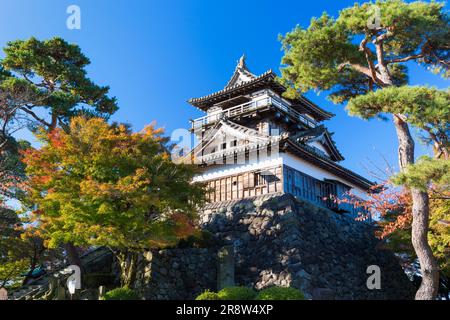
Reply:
x=262, y=179
x=272, y=181
x=249, y=180
x=257, y=178
x=245, y=180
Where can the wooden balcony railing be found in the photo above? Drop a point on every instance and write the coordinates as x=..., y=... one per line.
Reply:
x=249, y=107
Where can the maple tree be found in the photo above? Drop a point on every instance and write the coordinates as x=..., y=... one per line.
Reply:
x=101, y=184
x=352, y=56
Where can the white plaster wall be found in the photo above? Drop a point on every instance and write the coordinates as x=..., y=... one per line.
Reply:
x=316, y=172
x=276, y=160
x=231, y=169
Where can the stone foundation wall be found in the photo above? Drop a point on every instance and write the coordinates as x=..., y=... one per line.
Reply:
x=279, y=240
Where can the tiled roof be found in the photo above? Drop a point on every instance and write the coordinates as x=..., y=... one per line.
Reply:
x=306, y=152
x=266, y=75
x=307, y=135
x=267, y=78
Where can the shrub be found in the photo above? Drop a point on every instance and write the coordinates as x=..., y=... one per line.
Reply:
x=123, y=293
x=280, y=293
x=208, y=295
x=237, y=293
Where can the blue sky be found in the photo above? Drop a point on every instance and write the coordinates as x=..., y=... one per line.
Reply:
x=157, y=54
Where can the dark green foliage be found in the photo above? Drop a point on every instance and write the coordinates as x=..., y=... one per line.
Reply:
x=51, y=75
x=123, y=293
x=208, y=295
x=424, y=172
x=12, y=170
x=425, y=108
x=280, y=293
x=237, y=293
x=331, y=55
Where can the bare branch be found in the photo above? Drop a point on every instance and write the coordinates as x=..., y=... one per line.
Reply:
x=439, y=145
x=368, y=54
x=405, y=59
x=444, y=222
x=41, y=85
x=357, y=67
x=31, y=113
x=426, y=49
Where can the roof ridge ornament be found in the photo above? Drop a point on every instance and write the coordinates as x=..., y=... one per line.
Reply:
x=241, y=62
x=241, y=73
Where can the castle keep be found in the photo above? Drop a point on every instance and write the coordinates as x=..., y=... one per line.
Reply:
x=253, y=141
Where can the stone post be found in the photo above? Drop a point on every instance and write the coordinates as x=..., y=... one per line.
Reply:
x=101, y=292
x=225, y=272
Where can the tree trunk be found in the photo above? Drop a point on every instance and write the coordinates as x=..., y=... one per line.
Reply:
x=128, y=261
x=428, y=266
x=405, y=142
x=54, y=122
x=420, y=201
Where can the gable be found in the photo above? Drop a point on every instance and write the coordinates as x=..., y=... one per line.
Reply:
x=319, y=145
x=241, y=74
